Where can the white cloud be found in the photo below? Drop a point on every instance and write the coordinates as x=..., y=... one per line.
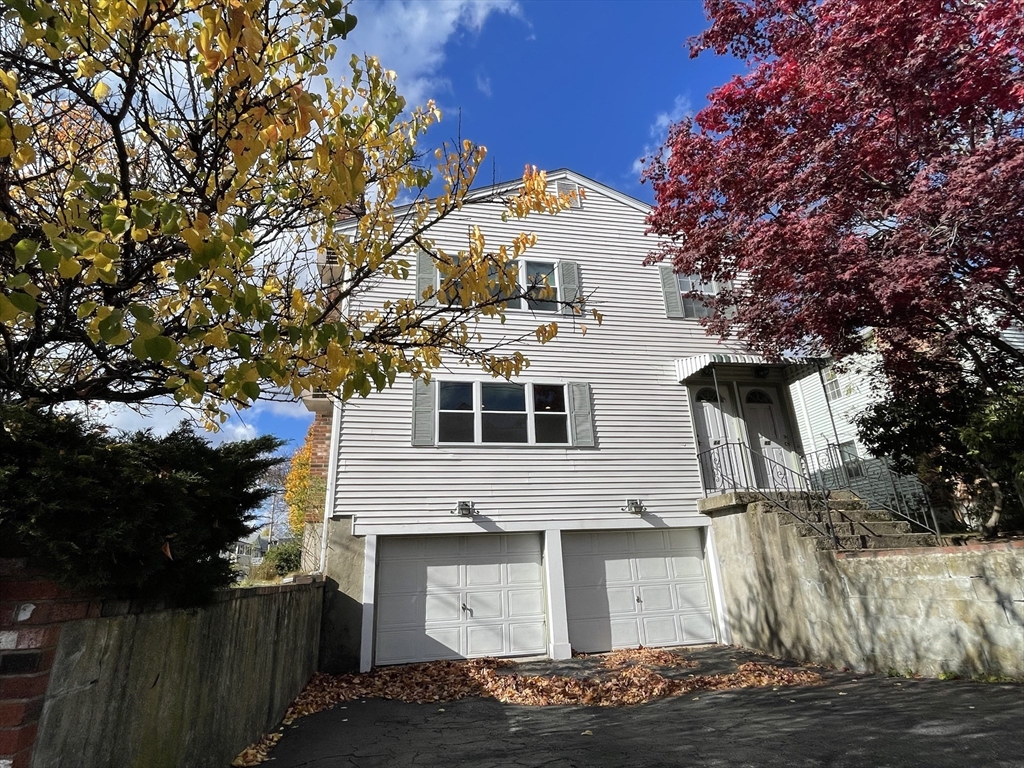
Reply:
x=658, y=130
x=483, y=85
x=409, y=36
x=162, y=418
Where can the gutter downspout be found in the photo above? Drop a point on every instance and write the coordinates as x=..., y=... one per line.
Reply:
x=332, y=478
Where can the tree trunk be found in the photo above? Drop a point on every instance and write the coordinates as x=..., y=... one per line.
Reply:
x=991, y=527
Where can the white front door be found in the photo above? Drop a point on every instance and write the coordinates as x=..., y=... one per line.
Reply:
x=630, y=588
x=721, y=465
x=770, y=441
x=453, y=597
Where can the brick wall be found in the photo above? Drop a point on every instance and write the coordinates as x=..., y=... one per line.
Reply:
x=32, y=612
x=320, y=439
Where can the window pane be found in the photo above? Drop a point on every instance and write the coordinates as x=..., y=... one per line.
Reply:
x=456, y=396
x=549, y=397
x=504, y=428
x=551, y=428
x=541, y=286
x=512, y=279
x=503, y=396
x=455, y=427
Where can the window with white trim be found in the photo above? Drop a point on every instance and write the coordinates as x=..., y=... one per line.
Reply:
x=695, y=306
x=834, y=389
x=502, y=412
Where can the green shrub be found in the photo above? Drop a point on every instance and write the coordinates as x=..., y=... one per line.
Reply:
x=132, y=517
x=285, y=557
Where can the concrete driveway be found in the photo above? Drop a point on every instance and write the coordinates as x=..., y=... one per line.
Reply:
x=852, y=720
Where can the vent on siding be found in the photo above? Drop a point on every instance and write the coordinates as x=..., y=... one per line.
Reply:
x=565, y=187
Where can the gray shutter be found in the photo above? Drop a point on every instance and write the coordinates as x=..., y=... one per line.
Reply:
x=582, y=417
x=568, y=283
x=426, y=276
x=670, y=291
x=422, y=412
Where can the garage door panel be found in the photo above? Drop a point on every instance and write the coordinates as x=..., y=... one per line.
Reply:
x=485, y=639
x=690, y=597
x=483, y=574
x=661, y=630
x=583, y=572
x=528, y=638
x=699, y=628
x=524, y=572
x=618, y=570
x=586, y=603
x=521, y=543
x=652, y=568
x=625, y=634
x=688, y=566
x=438, y=576
x=523, y=603
x=401, y=577
x=401, y=610
x=409, y=645
x=442, y=608
x=685, y=539
x=650, y=541
x=657, y=597
x=476, y=546
x=611, y=542
x=620, y=600
x=443, y=642
x=484, y=605
x=590, y=635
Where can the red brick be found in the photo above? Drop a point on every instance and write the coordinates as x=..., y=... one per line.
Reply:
x=69, y=611
x=14, y=740
x=25, y=591
x=38, y=637
x=20, y=712
x=24, y=686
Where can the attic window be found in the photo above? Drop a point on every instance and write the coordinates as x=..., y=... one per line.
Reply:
x=566, y=187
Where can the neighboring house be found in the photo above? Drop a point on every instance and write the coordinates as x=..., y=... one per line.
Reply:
x=556, y=512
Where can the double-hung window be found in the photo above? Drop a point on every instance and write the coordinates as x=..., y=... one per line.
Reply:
x=501, y=412
x=687, y=295
x=542, y=285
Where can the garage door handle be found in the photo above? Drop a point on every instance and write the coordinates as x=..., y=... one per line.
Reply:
x=638, y=599
x=464, y=607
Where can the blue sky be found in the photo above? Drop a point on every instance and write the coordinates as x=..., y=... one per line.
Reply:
x=586, y=85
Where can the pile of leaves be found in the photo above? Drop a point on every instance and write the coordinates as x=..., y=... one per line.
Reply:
x=628, y=680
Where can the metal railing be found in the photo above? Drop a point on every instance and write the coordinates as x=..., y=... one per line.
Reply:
x=874, y=481
x=733, y=466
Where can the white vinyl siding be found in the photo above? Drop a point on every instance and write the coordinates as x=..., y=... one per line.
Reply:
x=639, y=421
x=849, y=394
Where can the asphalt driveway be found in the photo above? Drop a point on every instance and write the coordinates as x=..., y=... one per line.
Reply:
x=851, y=720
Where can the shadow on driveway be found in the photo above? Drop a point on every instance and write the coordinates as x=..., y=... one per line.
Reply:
x=851, y=721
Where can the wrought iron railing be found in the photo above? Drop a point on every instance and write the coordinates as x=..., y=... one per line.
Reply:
x=733, y=466
x=875, y=481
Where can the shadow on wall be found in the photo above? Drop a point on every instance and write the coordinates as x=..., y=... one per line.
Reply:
x=929, y=612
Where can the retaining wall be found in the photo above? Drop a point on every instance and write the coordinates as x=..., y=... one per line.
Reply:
x=928, y=610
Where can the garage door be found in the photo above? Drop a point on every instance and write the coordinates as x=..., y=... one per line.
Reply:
x=630, y=588
x=452, y=597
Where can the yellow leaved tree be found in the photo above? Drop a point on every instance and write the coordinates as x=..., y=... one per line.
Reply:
x=172, y=172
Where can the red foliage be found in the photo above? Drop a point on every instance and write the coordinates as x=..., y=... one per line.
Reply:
x=866, y=171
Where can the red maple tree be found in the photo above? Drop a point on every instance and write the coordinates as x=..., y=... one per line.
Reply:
x=867, y=171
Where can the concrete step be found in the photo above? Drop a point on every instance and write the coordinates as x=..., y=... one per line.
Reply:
x=861, y=515
x=898, y=541
x=874, y=528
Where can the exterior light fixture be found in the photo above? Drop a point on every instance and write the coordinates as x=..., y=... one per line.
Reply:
x=634, y=506
x=464, y=509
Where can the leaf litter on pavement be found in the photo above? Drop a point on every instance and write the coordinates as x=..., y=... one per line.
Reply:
x=625, y=678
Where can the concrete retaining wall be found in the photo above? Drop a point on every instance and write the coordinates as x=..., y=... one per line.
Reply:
x=343, y=591
x=178, y=687
x=925, y=610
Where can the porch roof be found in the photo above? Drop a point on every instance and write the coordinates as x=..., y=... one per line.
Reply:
x=797, y=367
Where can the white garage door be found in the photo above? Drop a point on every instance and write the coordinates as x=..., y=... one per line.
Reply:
x=451, y=597
x=630, y=588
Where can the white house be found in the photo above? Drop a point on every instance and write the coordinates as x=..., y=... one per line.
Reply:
x=556, y=512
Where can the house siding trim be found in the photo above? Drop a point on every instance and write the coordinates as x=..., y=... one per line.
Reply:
x=480, y=523
x=554, y=581
x=369, y=601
